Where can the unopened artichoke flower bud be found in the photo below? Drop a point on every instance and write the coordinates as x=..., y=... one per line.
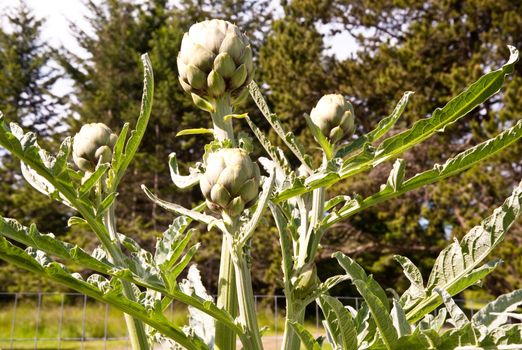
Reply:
x=334, y=116
x=93, y=144
x=307, y=280
x=215, y=59
x=231, y=181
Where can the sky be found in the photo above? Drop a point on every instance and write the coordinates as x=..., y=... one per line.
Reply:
x=59, y=13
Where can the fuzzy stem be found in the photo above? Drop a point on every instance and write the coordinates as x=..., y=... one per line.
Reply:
x=222, y=128
x=307, y=249
x=227, y=296
x=227, y=293
x=135, y=327
x=294, y=313
x=247, y=308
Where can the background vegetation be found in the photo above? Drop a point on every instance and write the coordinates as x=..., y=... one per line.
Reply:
x=424, y=46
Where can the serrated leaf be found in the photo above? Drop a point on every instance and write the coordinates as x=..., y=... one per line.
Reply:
x=493, y=315
x=380, y=314
x=457, y=315
x=400, y=322
x=355, y=272
x=457, y=108
x=13, y=230
x=340, y=323
x=275, y=153
x=93, y=179
x=396, y=177
x=455, y=267
x=380, y=130
x=178, y=209
x=96, y=287
x=416, y=289
x=141, y=125
x=307, y=339
x=106, y=204
x=288, y=137
x=453, y=166
x=183, y=181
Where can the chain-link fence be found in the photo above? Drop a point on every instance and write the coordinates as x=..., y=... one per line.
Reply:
x=73, y=321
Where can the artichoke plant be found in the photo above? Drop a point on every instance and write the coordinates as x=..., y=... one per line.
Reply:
x=334, y=116
x=215, y=59
x=93, y=144
x=231, y=181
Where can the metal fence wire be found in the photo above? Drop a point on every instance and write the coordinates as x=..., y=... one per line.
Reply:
x=61, y=320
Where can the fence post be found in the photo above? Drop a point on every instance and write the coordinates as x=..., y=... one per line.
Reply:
x=14, y=321
x=61, y=322
x=38, y=306
x=83, y=321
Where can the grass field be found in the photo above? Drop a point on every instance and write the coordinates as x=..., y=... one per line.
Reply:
x=93, y=323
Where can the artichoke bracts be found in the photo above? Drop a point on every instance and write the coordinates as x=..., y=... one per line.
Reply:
x=231, y=181
x=92, y=145
x=215, y=60
x=334, y=116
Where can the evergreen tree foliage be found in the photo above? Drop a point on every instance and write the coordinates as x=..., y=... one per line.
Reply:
x=26, y=80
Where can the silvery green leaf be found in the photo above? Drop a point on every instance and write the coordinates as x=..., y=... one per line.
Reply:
x=416, y=289
x=452, y=166
x=495, y=314
x=458, y=316
x=202, y=324
x=96, y=287
x=380, y=312
x=399, y=320
x=342, y=332
x=508, y=336
x=268, y=186
x=184, y=181
x=288, y=137
x=90, y=181
x=307, y=339
x=355, y=272
x=454, y=110
x=178, y=209
x=396, y=177
x=141, y=125
x=456, y=266
x=380, y=130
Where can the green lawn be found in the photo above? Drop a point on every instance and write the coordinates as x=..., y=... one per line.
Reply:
x=73, y=318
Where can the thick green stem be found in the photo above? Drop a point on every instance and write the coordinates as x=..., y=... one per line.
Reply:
x=135, y=327
x=227, y=296
x=223, y=128
x=227, y=293
x=247, y=308
x=294, y=313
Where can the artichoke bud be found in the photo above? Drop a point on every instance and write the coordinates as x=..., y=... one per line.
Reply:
x=307, y=280
x=334, y=116
x=230, y=183
x=215, y=59
x=93, y=145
